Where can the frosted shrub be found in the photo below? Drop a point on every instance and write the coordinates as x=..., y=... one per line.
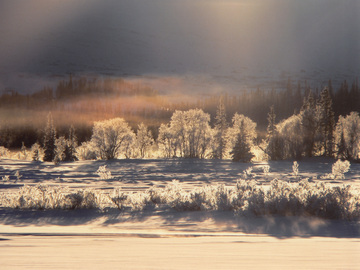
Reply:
x=266, y=169
x=85, y=199
x=246, y=198
x=223, y=198
x=339, y=168
x=5, y=178
x=104, y=173
x=282, y=199
x=336, y=202
x=137, y=201
x=174, y=195
x=37, y=152
x=86, y=151
x=111, y=137
x=4, y=152
x=248, y=172
x=18, y=176
x=40, y=197
x=118, y=198
x=295, y=168
x=201, y=199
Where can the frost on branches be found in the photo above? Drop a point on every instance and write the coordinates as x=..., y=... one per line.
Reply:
x=339, y=168
x=111, y=138
x=245, y=198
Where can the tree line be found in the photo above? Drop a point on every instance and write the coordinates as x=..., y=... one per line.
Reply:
x=313, y=131
x=96, y=99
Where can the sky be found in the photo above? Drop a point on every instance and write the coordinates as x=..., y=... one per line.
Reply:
x=229, y=42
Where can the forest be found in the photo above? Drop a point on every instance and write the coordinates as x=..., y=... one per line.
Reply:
x=70, y=122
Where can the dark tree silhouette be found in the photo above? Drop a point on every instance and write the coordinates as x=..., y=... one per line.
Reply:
x=221, y=126
x=274, y=147
x=327, y=122
x=49, y=139
x=241, y=150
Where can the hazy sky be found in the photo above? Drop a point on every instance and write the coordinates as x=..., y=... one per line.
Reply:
x=243, y=39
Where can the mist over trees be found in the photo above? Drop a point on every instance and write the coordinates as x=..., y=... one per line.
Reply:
x=286, y=124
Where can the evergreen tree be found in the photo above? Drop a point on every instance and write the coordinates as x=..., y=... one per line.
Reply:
x=37, y=152
x=49, y=139
x=71, y=144
x=273, y=148
x=241, y=150
x=341, y=148
x=327, y=122
x=221, y=126
x=309, y=123
x=271, y=129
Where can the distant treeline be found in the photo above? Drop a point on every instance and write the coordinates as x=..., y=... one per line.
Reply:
x=79, y=101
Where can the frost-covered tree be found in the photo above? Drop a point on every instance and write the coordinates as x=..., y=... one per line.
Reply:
x=242, y=150
x=110, y=137
x=188, y=134
x=144, y=140
x=291, y=137
x=37, y=152
x=167, y=141
x=128, y=147
x=347, y=136
x=243, y=124
x=60, y=146
x=193, y=132
x=221, y=125
x=49, y=139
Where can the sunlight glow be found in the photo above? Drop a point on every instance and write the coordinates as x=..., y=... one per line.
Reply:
x=31, y=27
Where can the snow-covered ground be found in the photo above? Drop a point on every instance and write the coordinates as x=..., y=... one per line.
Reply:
x=165, y=238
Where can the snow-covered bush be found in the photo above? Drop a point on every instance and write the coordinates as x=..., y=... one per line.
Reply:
x=339, y=168
x=86, y=151
x=40, y=197
x=23, y=154
x=137, y=201
x=5, y=178
x=118, y=198
x=248, y=172
x=295, y=168
x=4, y=152
x=266, y=170
x=18, y=176
x=37, y=152
x=43, y=197
x=85, y=199
x=246, y=198
x=104, y=173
